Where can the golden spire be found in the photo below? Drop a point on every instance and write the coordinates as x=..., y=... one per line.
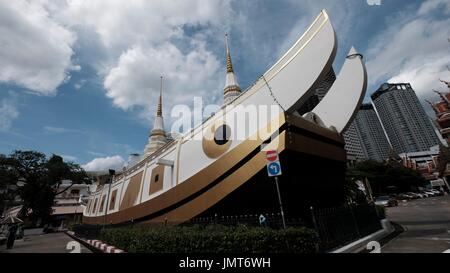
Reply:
x=229, y=64
x=159, y=111
x=231, y=89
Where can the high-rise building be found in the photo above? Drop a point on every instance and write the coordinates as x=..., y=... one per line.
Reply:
x=319, y=93
x=374, y=141
x=403, y=118
x=353, y=143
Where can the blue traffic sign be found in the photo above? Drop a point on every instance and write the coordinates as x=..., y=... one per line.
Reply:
x=274, y=168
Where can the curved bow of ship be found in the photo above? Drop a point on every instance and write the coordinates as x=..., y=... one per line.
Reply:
x=202, y=175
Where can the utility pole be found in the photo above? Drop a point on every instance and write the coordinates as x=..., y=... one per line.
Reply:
x=274, y=170
x=279, y=200
x=112, y=173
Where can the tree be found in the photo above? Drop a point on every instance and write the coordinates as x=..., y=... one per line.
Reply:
x=41, y=178
x=387, y=177
x=7, y=185
x=394, y=159
x=351, y=190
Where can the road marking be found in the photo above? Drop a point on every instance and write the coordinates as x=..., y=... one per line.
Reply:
x=433, y=239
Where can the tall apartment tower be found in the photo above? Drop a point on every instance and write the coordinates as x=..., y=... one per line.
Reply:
x=407, y=125
x=374, y=141
x=354, y=144
x=319, y=93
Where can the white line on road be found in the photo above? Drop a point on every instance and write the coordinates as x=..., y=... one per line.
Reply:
x=433, y=238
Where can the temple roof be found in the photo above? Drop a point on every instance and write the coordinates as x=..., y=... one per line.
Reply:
x=158, y=125
x=231, y=84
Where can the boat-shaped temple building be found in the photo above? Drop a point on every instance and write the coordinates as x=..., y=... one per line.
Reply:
x=219, y=167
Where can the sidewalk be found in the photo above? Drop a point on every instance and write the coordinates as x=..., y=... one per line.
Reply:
x=47, y=243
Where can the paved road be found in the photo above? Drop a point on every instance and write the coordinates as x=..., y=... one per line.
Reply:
x=48, y=243
x=426, y=223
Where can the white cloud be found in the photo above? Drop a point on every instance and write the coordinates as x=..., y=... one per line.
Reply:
x=415, y=50
x=144, y=39
x=35, y=50
x=95, y=153
x=105, y=163
x=425, y=78
x=69, y=158
x=431, y=5
x=60, y=130
x=135, y=81
x=138, y=22
x=79, y=84
x=342, y=15
x=8, y=113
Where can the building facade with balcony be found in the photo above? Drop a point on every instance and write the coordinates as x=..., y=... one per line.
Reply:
x=426, y=163
x=404, y=119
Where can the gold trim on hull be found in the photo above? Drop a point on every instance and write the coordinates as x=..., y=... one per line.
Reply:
x=286, y=140
x=221, y=190
x=132, y=191
x=192, y=184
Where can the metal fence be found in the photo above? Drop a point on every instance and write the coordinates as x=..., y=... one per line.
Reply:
x=272, y=220
x=341, y=225
x=335, y=226
x=87, y=231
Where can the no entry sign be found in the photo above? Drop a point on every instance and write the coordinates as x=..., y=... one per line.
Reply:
x=274, y=170
x=273, y=163
x=272, y=155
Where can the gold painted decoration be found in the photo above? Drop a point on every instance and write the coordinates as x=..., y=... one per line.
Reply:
x=95, y=205
x=112, y=203
x=216, y=139
x=157, y=179
x=132, y=192
x=102, y=203
x=193, y=184
x=88, y=206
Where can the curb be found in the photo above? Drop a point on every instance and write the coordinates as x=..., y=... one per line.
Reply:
x=97, y=245
x=105, y=248
x=361, y=244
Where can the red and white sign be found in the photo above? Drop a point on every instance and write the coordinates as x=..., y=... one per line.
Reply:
x=272, y=155
x=273, y=163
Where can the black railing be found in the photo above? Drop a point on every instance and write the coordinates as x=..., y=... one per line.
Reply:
x=341, y=225
x=88, y=232
x=272, y=220
x=335, y=226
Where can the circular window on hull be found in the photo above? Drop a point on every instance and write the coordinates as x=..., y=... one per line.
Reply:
x=216, y=140
x=222, y=135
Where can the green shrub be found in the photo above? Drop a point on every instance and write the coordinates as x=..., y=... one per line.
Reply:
x=211, y=239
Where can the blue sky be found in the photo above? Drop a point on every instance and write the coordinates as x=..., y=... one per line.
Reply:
x=81, y=78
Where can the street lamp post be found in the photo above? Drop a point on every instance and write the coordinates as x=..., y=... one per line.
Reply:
x=112, y=173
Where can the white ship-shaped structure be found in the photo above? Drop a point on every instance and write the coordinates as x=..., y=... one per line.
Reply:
x=201, y=175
